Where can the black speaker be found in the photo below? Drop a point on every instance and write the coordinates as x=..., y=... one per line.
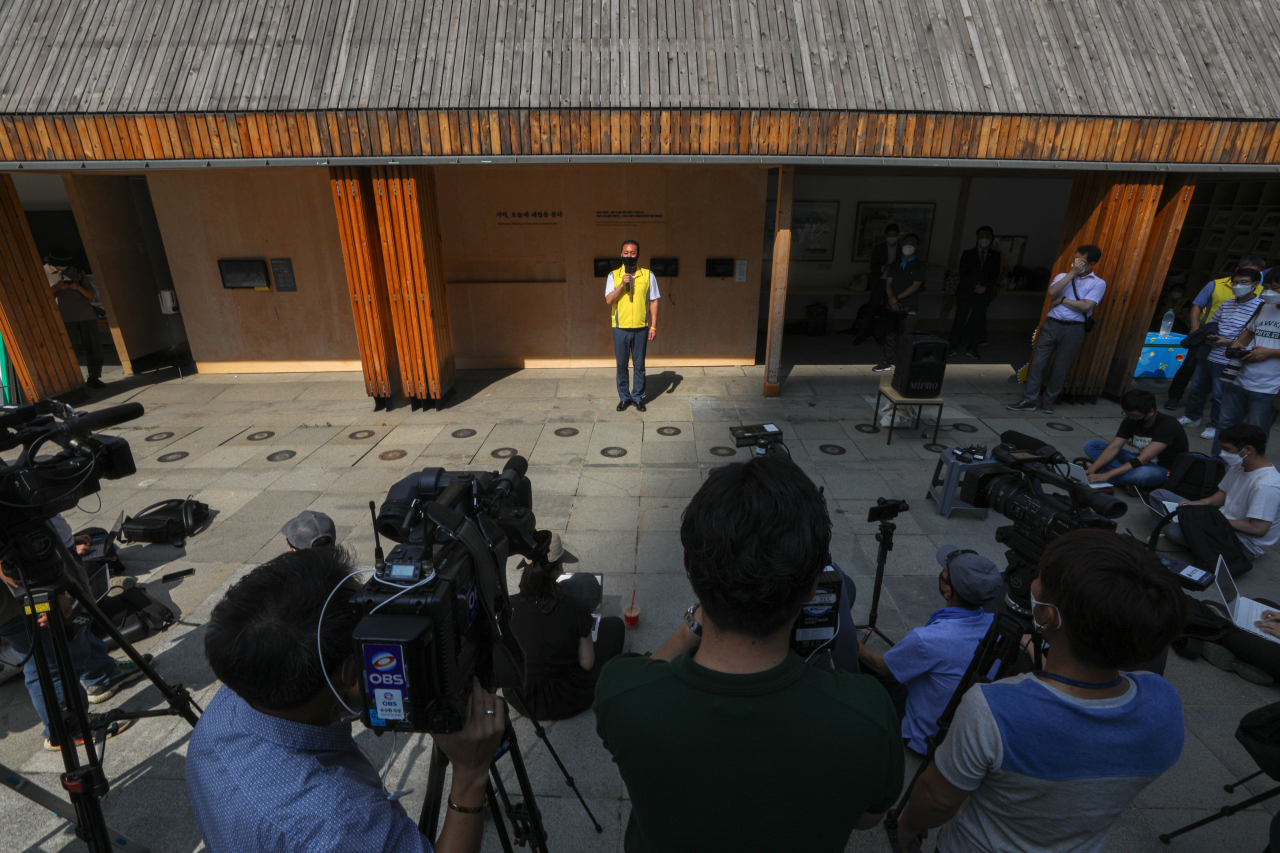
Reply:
x=919, y=361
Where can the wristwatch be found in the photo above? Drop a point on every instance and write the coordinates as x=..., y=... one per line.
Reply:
x=694, y=625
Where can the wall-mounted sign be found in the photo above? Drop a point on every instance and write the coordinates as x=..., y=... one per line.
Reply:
x=601, y=267
x=629, y=217
x=720, y=267
x=244, y=274
x=527, y=217
x=282, y=275
x=740, y=273
x=665, y=267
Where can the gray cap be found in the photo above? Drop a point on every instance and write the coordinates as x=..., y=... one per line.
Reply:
x=307, y=527
x=974, y=578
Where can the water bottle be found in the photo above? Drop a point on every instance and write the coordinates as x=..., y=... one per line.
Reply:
x=1166, y=325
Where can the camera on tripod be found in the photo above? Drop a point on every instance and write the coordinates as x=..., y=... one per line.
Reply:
x=436, y=611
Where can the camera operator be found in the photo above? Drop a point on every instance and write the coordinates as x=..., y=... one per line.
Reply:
x=1160, y=440
x=554, y=627
x=1048, y=760
x=272, y=765
x=701, y=730
x=100, y=675
x=925, y=667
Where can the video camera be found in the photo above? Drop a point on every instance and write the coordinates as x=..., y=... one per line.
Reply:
x=436, y=612
x=42, y=484
x=1013, y=485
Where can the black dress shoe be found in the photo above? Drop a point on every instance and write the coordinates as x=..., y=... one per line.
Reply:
x=96, y=383
x=622, y=407
x=640, y=407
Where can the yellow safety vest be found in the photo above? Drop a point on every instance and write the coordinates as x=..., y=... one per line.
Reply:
x=1221, y=293
x=632, y=310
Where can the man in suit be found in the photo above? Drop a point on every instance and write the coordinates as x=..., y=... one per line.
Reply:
x=981, y=270
x=883, y=255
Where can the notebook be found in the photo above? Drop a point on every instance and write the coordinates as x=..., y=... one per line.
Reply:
x=1243, y=611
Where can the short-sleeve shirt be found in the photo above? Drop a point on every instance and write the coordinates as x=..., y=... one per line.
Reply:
x=1050, y=772
x=1231, y=319
x=260, y=783
x=1263, y=377
x=610, y=285
x=702, y=753
x=1165, y=430
x=1205, y=296
x=902, y=275
x=1253, y=494
x=930, y=661
x=1088, y=287
x=72, y=305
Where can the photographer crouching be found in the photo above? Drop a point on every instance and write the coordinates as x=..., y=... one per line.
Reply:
x=1049, y=760
x=554, y=626
x=725, y=738
x=272, y=766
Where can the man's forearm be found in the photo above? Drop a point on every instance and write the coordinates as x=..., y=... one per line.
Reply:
x=653, y=313
x=614, y=295
x=1055, y=289
x=1193, y=317
x=1250, y=526
x=923, y=810
x=915, y=285
x=872, y=660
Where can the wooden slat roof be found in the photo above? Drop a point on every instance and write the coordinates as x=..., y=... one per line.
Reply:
x=1202, y=59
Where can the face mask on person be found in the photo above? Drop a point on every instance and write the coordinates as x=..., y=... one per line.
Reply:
x=1078, y=265
x=1240, y=290
x=1232, y=459
x=984, y=242
x=1271, y=297
x=908, y=251
x=1035, y=604
x=891, y=239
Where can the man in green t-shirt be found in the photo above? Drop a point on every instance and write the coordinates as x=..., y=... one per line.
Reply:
x=726, y=739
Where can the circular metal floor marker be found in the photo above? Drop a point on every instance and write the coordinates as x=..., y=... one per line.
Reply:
x=965, y=428
x=724, y=451
x=392, y=455
x=360, y=434
x=1060, y=427
x=159, y=436
x=566, y=432
x=281, y=456
x=866, y=428
x=614, y=452
x=935, y=448
x=260, y=436
x=668, y=431
x=503, y=452
x=174, y=456
x=463, y=433
x=832, y=449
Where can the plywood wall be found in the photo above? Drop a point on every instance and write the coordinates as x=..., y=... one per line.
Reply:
x=521, y=287
x=257, y=213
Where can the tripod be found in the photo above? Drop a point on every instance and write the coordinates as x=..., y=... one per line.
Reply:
x=86, y=783
x=884, y=510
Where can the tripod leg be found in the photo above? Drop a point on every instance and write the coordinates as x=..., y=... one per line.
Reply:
x=429, y=819
x=496, y=809
x=1225, y=811
x=539, y=840
x=19, y=784
x=568, y=780
x=882, y=556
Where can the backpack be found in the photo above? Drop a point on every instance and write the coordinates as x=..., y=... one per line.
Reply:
x=169, y=522
x=1195, y=476
x=1205, y=624
x=133, y=612
x=1208, y=535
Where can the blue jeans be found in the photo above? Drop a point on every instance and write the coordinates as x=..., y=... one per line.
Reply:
x=89, y=657
x=1241, y=406
x=1146, y=477
x=1208, y=380
x=630, y=344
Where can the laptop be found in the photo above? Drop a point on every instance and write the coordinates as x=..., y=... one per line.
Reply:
x=1243, y=611
x=1077, y=473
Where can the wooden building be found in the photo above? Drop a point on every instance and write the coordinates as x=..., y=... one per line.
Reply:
x=440, y=177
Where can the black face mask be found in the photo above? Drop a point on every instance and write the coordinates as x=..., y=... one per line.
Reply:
x=629, y=264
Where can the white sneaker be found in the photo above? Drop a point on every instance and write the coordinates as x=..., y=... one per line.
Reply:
x=1186, y=421
x=1209, y=432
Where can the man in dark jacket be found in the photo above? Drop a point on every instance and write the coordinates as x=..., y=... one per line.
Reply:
x=981, y=270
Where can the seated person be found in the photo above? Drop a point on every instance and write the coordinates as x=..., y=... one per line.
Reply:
x=925, y=667
x=1249, y=493
x=554, y=627
x=725, y=738
x=1048, y=760
x=309, y=529
x=1160, y=440
x=271, y=766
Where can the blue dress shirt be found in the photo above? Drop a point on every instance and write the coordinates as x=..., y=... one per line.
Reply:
x=258, y=783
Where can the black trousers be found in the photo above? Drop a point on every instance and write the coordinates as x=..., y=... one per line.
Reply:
x=1181, y=379
x=969, y=328
x=86, y=340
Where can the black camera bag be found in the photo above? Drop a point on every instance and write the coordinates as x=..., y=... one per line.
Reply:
x=1209, y=534
x=133, y=612
x=167, y=522
x=1206, y=623
x=1195, y=476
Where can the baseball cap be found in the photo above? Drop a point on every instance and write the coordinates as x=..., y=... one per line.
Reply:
x=310, y=530
x=974, y=578
x=556, y=551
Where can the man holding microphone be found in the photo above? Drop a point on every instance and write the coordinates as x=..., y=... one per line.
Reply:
x=631, y=292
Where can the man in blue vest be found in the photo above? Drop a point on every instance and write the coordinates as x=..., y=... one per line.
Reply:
x=631, y=292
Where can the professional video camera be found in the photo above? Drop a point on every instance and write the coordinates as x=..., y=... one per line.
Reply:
x=1013, y=485
x=436, y=611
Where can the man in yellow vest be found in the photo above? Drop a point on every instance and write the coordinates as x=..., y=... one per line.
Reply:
x=631, y=292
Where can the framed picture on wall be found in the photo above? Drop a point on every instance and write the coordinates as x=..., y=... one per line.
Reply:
x=1270, y=221
x=1214, y=243
x=1013, y=246
x=1239, y=244
x=912, y=217
x=1222, y=218
x=1246, y=220
x=813, y=230
x=1263, y=246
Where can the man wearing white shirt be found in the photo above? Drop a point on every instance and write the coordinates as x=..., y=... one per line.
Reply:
x=1251, y=397
x=631, y=292
x=1073, y=297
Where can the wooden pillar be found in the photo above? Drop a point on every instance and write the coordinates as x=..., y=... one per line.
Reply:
x=778, y=283
x=408, y=225
x=34, y=335
x=362, y=255
x=1175, y=199
x=1114, y=211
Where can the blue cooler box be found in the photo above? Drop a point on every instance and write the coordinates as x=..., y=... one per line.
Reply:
x=1162, y=355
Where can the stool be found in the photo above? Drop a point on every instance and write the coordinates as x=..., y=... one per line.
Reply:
x=943, y=488
x=888, y=392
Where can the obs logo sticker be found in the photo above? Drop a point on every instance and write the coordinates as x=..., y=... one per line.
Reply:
x=384, y=662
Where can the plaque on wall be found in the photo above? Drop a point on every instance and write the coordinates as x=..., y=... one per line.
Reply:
x=282, y=275
x=665, y=267
x=244, y=274
x=720, y=267
x=603, y=266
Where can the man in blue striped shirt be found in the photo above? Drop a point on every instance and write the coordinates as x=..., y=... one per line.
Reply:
x=1231, y=318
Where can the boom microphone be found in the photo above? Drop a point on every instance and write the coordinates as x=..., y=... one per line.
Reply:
x=108, y=417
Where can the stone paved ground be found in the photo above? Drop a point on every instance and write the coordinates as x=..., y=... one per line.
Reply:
x=619, y=514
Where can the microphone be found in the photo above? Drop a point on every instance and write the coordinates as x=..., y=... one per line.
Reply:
x=1024, y=442
x=108, y=417
x=517, y=463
